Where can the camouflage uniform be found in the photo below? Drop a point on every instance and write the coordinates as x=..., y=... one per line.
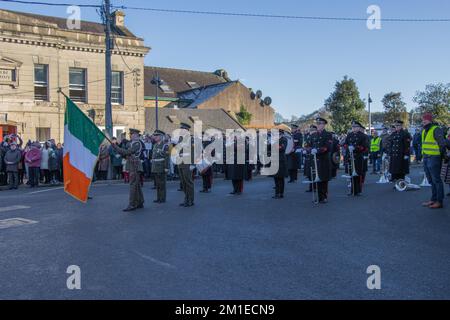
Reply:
x=135, y=168
x=160, y=156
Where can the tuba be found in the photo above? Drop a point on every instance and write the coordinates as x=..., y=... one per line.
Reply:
x=405, y=185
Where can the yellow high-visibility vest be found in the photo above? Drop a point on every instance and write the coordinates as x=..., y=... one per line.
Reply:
x=375, y=144
x=429, y=144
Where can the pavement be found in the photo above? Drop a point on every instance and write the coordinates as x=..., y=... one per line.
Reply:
x=225, y=247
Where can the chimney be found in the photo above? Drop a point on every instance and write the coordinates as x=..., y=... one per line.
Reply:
x=118, y=18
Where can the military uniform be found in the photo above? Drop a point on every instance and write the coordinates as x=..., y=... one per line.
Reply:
x=160, y=158
x=282, y=172
x=399, y=153
x=186, y=178
x=322, y=142
x=134, y=167
x=359, y=141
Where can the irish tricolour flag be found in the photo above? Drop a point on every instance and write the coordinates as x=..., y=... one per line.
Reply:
x=82, y=140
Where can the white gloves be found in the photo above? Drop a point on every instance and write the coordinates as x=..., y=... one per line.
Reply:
x=314, y=151
x=406, y=157
x=351, y=148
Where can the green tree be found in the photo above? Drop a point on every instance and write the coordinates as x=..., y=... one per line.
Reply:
x=244, y=117
x=345, y=105
x=435, y=99
x=394, y=108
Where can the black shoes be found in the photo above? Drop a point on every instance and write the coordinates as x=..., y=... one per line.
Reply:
x=128, y=209
x=186, y=204
x=278, y=196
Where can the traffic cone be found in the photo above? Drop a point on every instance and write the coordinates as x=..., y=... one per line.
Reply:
x=425, y=182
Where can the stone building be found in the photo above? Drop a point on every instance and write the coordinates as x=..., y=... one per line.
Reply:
x=186, y=89
x=39, y=54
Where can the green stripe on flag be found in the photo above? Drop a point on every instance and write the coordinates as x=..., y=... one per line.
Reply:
x=81, y=127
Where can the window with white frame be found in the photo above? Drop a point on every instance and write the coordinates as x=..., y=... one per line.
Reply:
x=117, y=87
x=77, y=84
x=41, y=82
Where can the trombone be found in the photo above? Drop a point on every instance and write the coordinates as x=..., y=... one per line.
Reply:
x=354, y=173
x=315, y=181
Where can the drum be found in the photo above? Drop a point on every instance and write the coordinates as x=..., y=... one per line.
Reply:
x=203, y=166
x=290, y=144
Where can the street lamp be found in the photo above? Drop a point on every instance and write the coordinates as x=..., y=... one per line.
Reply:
x=370, y=114
x=157, y=82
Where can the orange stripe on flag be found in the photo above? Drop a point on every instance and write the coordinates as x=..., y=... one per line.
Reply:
x=75, y=182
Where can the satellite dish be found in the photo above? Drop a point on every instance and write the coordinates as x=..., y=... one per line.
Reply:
x=262, y=103
x=259, y=94
x=267, y=101
x=252, y=95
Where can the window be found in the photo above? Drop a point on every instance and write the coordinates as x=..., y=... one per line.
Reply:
x=41, y=82
x=77, y=84
x=117, y=87
x=193, y=84
x=43, y=134
x=165, y=87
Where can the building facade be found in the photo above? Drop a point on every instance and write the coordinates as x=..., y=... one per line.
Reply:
x=187, y=89
x=39, y=54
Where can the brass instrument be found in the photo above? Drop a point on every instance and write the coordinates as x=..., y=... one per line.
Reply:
x=315, y=181
x=404, y=185
x=385, y=175
x=354, y=173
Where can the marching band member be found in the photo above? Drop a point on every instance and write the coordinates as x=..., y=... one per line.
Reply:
x=293, y=156
x=282, y=166
x=320, y=144
x=356, y=145
x=399, y=152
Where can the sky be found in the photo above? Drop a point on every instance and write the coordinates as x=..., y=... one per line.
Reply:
x=296, y=62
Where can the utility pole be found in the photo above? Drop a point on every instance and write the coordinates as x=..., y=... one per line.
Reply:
x=108, y=69
x=370, y=114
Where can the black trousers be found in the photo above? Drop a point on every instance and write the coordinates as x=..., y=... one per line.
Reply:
x=293, y=175
x=34, y=176
x=356, y=185
x=398, y=176
x=322, y=189
x=207, y=179
x=279, y=185
x=238, y=185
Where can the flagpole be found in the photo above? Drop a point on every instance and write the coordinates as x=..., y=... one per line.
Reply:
x=61, y=92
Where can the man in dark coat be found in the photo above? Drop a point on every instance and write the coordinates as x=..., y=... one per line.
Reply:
x=417, y=145
x=320, y=147
x=237, y=172
x=356, y=144
x=293, y=156
x=282, y=166
x=399, y=152
x=307, y=156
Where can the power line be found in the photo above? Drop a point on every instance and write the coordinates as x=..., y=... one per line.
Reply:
x=235, y=14
x=274, y=16
x=52, y=4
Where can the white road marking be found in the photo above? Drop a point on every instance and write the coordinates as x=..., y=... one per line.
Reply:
x=15, y=222
x=12, y=208
x=156, y=261
x=40, y=191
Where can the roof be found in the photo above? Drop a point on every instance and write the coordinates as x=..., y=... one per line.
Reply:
x=61, y=23
x=177, y=80
x=169, y=119
x=200, y=95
